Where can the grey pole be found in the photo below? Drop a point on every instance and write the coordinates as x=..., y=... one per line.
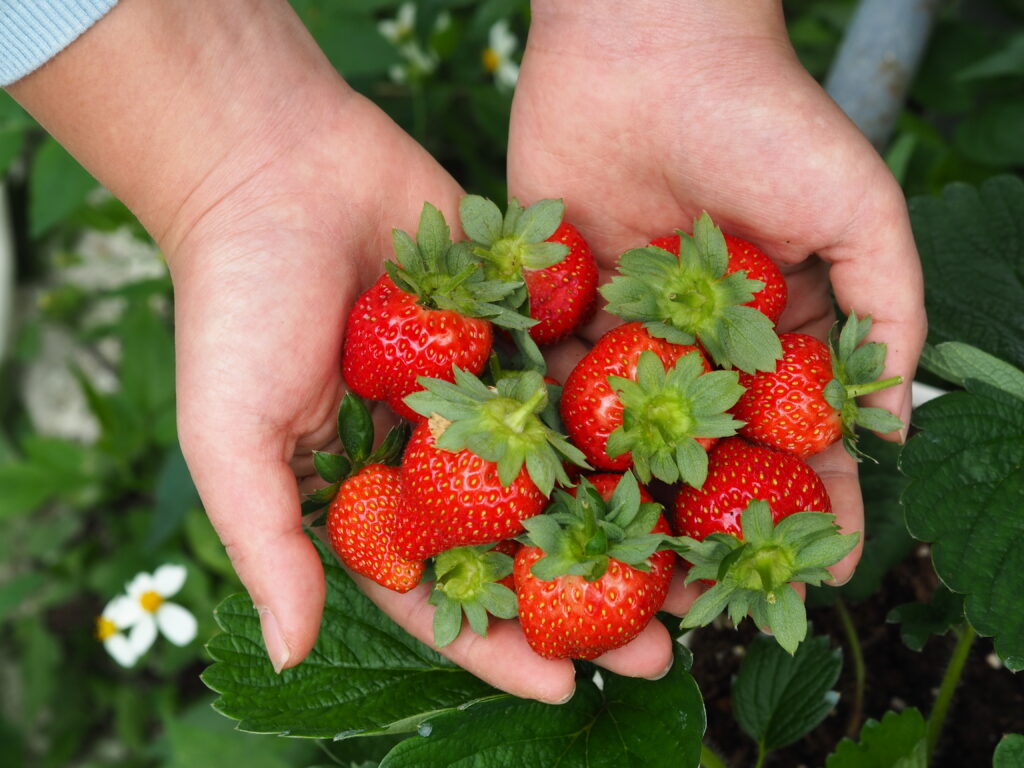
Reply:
x=877, y=60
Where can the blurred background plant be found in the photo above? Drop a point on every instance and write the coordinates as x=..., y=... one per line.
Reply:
x=93, y=487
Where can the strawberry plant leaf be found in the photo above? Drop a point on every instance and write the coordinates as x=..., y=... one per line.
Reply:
x=365, y=675
x=919, y=621
x=956, y=362
x=966, y=497
x=332, y=467
x=971, y=241
x=355, y=428
x=778, y=698
x=481, y=218
x=1009, y=752
x=898, y=741
x=624, y=721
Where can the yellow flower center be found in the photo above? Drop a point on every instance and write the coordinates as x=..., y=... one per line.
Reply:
x=151, y=601
x=491, y=60
x=105, y=628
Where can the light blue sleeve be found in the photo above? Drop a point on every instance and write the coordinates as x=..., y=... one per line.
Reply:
x=34, y=31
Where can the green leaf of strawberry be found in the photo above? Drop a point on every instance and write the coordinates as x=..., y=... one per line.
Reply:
x=467, y=582
x=693, y=295
x=753, y=572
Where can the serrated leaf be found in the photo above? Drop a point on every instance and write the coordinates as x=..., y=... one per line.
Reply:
x=540, y=220
x=777, y=698
x=898, y=741
x=971, y=241
x=1009, y=752
x=920, y=621
x=433, y=235
x=630, y=722
x=956, y=362
x=966, y=497
x=364, y=675
x=481, y=219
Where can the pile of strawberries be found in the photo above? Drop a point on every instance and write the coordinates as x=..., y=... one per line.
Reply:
x=518, y=496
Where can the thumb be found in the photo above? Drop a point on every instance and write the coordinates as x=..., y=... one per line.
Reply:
x=254, y=506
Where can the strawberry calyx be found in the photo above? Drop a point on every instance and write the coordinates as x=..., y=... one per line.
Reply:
x=688, y=296
x=355, y=431
x=665, y=411
x=857, y=367
x=581, y=532
x=466, y=582
x=447, y=276
x=516, y=241
x=754, y=573
x=502, y=424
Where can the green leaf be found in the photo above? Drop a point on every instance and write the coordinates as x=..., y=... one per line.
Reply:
x=778, y=698
x=58, y=186
x=898, y=741
x=540, y=220
x=26, y=486
x=481, y=218
x=956, y=362
x=332, y=467
x=175, y=495
x=919, y=621
x=147, y=361
x=966, y=496
x=364, y=675
x=992, y=134
x=630, y=722
x=355, y=428
x=1009, y=752
x=971, y=242
x=1007, y=61
x=433, y=235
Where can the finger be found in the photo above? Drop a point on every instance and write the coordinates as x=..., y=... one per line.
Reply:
x=647, y=655
x=876, y=271
x=253, y=504
x=680, y=594
x=503, y=658
x=838, y=470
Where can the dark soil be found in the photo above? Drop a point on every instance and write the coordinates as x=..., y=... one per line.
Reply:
x=988, y=704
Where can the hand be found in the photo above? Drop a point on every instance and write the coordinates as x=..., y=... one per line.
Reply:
x=641, y=115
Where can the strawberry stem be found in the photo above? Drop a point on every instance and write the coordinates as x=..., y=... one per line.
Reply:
x=517, y=419
x=856, y=390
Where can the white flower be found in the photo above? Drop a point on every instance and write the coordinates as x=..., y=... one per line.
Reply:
x=398, y=29
x=400, y=32
x=149, y=611
x=116, y=617
x=497, y=57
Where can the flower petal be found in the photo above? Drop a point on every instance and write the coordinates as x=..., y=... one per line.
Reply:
x=120, y=650
x=143, y=582
x=168, y=579
x=123, y=611
x=176, y=623
x=142, y=634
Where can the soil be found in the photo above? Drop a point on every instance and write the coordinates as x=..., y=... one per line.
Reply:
x=988, y=704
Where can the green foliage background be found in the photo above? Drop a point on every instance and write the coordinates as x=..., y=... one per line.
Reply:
x=79, y=518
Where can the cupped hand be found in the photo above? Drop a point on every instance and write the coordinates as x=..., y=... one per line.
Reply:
x=642, y=115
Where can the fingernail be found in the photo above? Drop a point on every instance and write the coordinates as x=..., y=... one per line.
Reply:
x=564, y=700
x=277, y=648
x=663, y=672
x=905, y=414
x=837, y=583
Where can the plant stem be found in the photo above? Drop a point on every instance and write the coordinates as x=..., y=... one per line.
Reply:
x=949, y=683
x=709, y=759
x=859, y=672
x=856, y=390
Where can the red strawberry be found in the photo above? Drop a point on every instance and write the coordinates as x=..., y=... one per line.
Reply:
x=739, y=472
x=619, y=580
x=482, y=464
x=361, y=524
x=622, y=411
x=771, y=299
x=431, y=311
x=535, y=245
x=706, y=288
x=809, y=401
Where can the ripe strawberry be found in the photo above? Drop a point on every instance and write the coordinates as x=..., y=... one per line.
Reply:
x=739, y=472
x=809, y=401
x=534, y=244
x=431, y=311
x=622, y=409
x=361, y=524
x=704, y=291
x=591, y=579
x=481, y=464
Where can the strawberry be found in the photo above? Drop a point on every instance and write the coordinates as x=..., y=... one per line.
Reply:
x=363, y=493
x=482, y=463
x=809, y=401
x=471, y=581
x=431, y=311
x=739, y=472
x=761, y=521
x=591, y=578
x=706, y=292
x=361, y=524
x=622, y=408
x=535, y=245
